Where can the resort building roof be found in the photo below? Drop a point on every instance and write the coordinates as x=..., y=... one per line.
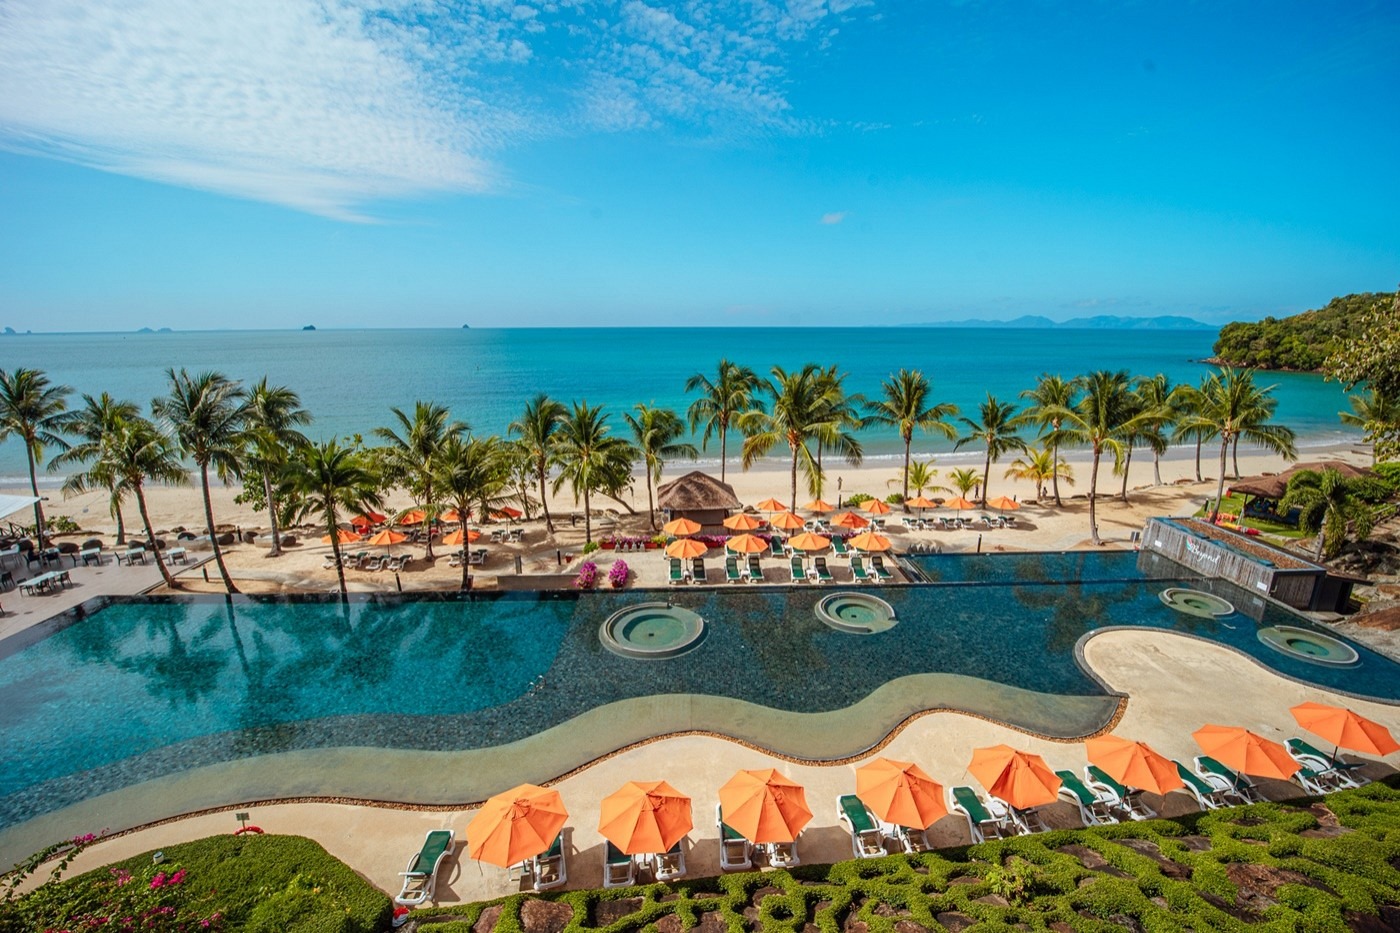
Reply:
x=696, y=491
x=1273, y=486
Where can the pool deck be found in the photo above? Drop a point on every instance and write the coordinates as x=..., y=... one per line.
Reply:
x=1174, y=684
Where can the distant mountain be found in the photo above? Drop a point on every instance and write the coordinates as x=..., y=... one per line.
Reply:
x=1098, y=322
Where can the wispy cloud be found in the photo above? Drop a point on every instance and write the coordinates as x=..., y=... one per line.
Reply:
x=835, y=217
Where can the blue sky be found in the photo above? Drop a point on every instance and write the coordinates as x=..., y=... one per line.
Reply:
x=268, y=163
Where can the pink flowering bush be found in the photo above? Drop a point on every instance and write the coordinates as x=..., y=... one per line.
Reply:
x=587, y=575
x=617, y=575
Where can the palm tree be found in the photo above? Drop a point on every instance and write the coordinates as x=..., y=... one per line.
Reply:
x=996, y=429
x=1101, y=418
x=1376, y=414
x=919, y=476
x=907, y=406
x=274, y=413
x=327, y=479
x=654, y=433
x=1050, y=394
x=802, y=413
x=206, y=414
x=1168, y=401
x=844, y=411
x=536, y=427
x=470, y=471
x=1327, y=502
x=35, y=412
x=1040, y=465
x=96, y=425
x=1231, y=407
x=586, y=453
x=413, y=450
x=721, y=402
x=1190, y=400
x=964, y=480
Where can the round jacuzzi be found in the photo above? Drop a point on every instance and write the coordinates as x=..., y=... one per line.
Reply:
x=1305, y=645
x=1197, y=603
x=856, y=613
x=651, y=630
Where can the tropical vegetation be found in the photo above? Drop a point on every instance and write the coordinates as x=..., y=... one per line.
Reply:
x=1302, y=342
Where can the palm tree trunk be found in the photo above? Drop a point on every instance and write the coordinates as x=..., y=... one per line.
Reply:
x=723, y=438
x=466, y=558
x=1055, y=474
x=1220, y=484
x=1321, y=537
x=1235, y=455
x=544, y=499
x=986, y=474
x=587, y=515
x=651, y=507
x=1156, y=468
x=1093, y=497
x=794, y=479
x=151, y=537
x=38, y=500
x=907, y=439
x=213, y=538
x=272, y=517
x=428, y=517
x=1198, y=458
x=121, y=522
x=334, y=532
x=1127, y=465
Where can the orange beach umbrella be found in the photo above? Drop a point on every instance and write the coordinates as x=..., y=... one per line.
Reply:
x=1020, y=778
x=876, y=506
x=387, y=537
x=342, y=536
x=686, y=548
x=459, y=536
x=742, y=522
x=1003, y=504
x=1134, y=764
x=819, y=505
x=648, y=816
x=367, y=519
x=771, y=505
x=808, y=542
x=850, y=520
x=1246, y=751
x=746, y=544
x=870, y=541
x=764, y=806
x=680, y=527
x=921, y=502
x=507, y=511
x=451, y=515
x=412, y=517
x=515, y=825
x=959, y=503
x=787, y=521
x=1345, y=729
x=900, y=792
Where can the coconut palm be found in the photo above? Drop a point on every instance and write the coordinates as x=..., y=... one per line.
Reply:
x=996, y=428
x=328, y=479
x=1050, y=394
x=1231, y=407
x=1104, y=414
x=1190, y=399
x=95, y=425
x=1327, y=503
x=1378, y=416
x=274, y=413
x=470, y=471
x=1040, y=465
x=722, y=401
x=536, y=428
x=206, y=416
x=907, y=405
x=35, y=412
x=1158, y=394
x=964, y=480
x=654, y=433
x=587, y=456
x=920, y=476
x=802, y=413
x=412, y=450
x=844, y=411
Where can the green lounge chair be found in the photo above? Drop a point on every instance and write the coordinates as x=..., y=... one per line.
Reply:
x=619, y=868
x=1127, y=800
x=550, y=870
x=1094, y=810
x=1223, y=779
x=777, y=546
x=1343, y=773
x=420, y=878
x=820, y=569
x=697, y=570
x=755, y=569
x=858, y=570
x=838, y=546
x=799, y=572
x=877, y=564
x=735, y=851
x=980, y=822
x=1208, y=797
x=867, y=841
x=731, y=570
x=677, y=571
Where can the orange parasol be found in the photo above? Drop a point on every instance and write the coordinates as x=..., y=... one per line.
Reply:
x=746, y=544
x=764, y=806
x=1134, y=764
x=1345, y=729
x=680, y=527
x=515, y=825
x=921, y=502
x=808, y=542
x=743, y=522
x=870, y=541
x=1003, y=504
x=507, y=511
x=451, y=515
x=787, y=521
x=387, y=537
x=771, y=505
x=1020, y=778
x=900, y=792
x=367, y=519
x=819, y=505
x=850, y=520
x=686, y=548
x=645, y=817
x=876, y=506
x=1245, y=751
x=959, y=503
x=342, y=536
x=412, y=517
x=458, y=537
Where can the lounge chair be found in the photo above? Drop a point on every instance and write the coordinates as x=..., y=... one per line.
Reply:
x=1342, y=773
x=669, y=865
x=550, y=869
x=980, y=822
x=1094, y=809
x=1223, y=779
x=778, y=546
x=877, y=564
x=516, y=535
x=1207, y=797
x=619, y=868
x=838, y=547
x=1129, y=801
x=820, y=569
x=755, y=569
x=735, y=851
x=858, y=570
x=677, y=572
x=477, y=558
x=697, y=569
x=731, y=570
x=867, y=840
x=910, y=838
x=420, y=879
x=783, y=854
x=1312, y=782
x=799, y=571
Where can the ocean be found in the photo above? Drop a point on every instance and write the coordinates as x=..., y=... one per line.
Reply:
x=349, y=379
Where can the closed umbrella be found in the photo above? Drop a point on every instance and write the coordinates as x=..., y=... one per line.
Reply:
x=743, y=522
x=647, y=816
x=1345, y=729
x=746, y=544
x=680, y=527
x=870, y=541
x=900, y=792
x=1020, y=778
x=1246, y=751
x=787, y=521
x=850, y=520
x=764, y=806
x=516, y=825
x=1134, y=764
x=686, y=548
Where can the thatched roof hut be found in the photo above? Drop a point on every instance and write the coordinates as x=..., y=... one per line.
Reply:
x=1273, y=487
x=698, y=497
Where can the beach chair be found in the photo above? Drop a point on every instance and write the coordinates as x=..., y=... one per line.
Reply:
x=619, y=868
x=669, y=865
x=909, y=838
x=731, y=570
x=858, y=570
x=454, y=559
x=1343, y=774
x=777, y=546
x=478, y=557
x=877, y=564
x=820, y=569
x=735, y=852
x=1312, y=782
x=550, y=869
x=981, y=823
x=799, y=572
x=782, y=854
x=677, y=574
x=1129, y=801
x=838, y=547
x=1094, y=809
x=420, y=878
x=328, y=563
x=497, y=535
x=1207, y=797
x=516, y=535
x=697, y=569
x=755, y=569
x=867, y=840
x=1223, y=779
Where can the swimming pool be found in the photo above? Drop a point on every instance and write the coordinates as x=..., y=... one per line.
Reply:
x=133, y=689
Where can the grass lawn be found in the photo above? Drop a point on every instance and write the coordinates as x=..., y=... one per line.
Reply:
x=1233, y=505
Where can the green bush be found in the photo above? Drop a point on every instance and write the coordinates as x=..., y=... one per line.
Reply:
x=590, y=547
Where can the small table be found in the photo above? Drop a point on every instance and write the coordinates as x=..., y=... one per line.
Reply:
x=92, y=555
x=176, y=554
x=132, y=556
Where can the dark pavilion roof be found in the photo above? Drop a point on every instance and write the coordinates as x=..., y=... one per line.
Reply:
x=696, y=491
x=1273, y=487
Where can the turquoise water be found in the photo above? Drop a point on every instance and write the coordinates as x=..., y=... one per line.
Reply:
x=146, y=687
x=349, y=379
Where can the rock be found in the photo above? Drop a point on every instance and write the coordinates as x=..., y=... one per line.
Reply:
x=606, y=913
x=1171, y=869
x=538, y=916
x=669, y=924
x=1092, y=860
x=225, y=539
x=289, y=540
x=486, y=923
x=1387, y=922
x=1255, y=884
x=250, y=537
x=711, y=921
x=955, y=921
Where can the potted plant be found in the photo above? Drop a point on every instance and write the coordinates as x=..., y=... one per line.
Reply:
x=617, y=576
x=587, y=575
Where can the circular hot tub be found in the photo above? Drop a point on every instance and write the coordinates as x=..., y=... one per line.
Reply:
x=651, y=631
x=856, y=613
x=1305, y=645
x=1197, y=603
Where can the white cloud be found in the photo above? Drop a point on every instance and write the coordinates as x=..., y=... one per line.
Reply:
x=835, y=217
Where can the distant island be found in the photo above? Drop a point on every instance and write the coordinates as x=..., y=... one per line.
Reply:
x=154, y=330
x=1098, y=322
x=1295, y=344
x=309, y=327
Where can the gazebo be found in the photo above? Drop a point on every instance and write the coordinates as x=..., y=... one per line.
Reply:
x=1267, y=490
x=698, y=497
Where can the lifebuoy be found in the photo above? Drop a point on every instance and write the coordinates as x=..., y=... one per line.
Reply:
x=247, y=829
